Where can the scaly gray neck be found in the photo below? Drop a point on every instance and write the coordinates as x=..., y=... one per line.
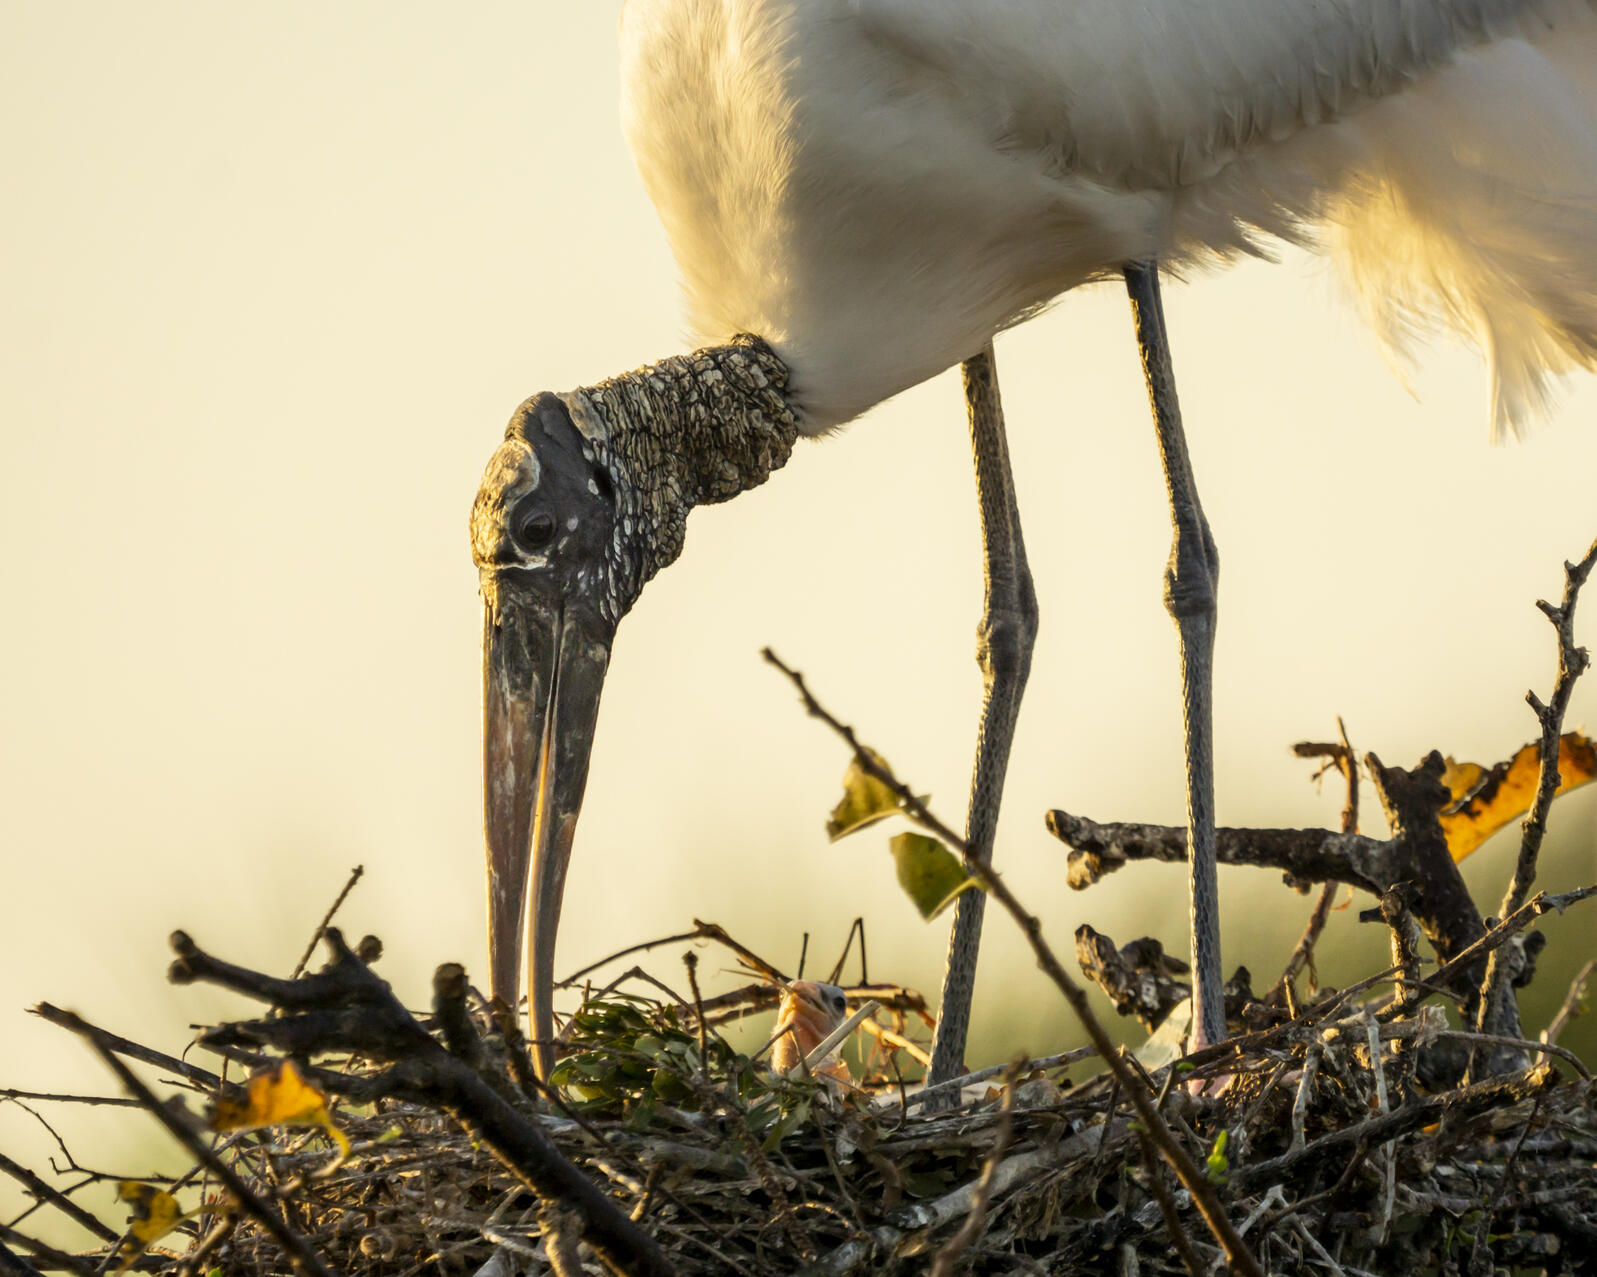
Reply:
x=687, y=431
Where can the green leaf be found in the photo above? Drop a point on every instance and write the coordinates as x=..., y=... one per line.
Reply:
x=789, y=1122
x=865, y=801
x=930, y=874
x=1217, y=1167
x=763, y=1111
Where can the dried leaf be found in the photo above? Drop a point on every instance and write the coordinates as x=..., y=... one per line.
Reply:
x=155, y=1213
x=1494, y=796
x=930, y=874
x=1460, y=778
x=865, y=800
x=279, y=1097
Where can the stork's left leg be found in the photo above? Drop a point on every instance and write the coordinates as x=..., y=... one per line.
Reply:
x=1004, y=641
x=1190, y=582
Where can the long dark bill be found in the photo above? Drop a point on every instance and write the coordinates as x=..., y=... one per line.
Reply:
x=543, y=669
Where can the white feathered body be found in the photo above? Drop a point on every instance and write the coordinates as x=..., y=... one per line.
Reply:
x=877, y=186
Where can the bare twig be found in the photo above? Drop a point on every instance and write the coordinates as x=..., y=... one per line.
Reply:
x=143, y=1054
x=856, y=928
x=1300, y=1105
x=1320, y=1253
x=622, y=953
x=1340, y=755
x=1042, y=1064
x=44, y=1193
x=691, y=961
x=1572, y=1004
x=194, y=1261
x=327, y=919
x=50, y=1257
x=1192, y=1179
x=1303, y=951
x=562, y=1230
x=943, y=1265
x=1526, y=1046
x=300, y=1255
x=1167, y=1209
x=714, y=931
x=122, y=1101
x=1572, y=663
x=898, y=1042
x=1499, y=935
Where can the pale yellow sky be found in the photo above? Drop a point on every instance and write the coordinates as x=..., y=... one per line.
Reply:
x=274, y=278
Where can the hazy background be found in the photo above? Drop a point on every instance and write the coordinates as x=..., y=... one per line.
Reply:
x=273, y=278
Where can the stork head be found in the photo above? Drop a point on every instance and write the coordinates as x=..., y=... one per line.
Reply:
x=554, y=576
x=585, y=500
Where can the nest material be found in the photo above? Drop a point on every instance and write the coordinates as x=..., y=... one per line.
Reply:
x=1325, y=1163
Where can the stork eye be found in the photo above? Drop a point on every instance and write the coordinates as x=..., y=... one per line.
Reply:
x=536, y=531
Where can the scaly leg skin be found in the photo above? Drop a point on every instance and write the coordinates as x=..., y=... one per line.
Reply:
x=1004, y=641
x=1191, y=579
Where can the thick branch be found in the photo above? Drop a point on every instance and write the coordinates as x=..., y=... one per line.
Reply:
x=1417, y=853
x=1139, y=978
x=1304, y=855
x=13, y=1265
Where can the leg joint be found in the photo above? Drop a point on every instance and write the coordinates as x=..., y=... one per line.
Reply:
x=1005, y=637
x=1192, y=576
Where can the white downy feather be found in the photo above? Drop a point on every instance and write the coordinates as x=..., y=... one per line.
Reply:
x=876, y=186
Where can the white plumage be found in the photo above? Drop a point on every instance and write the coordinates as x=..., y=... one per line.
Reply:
x=877, y=186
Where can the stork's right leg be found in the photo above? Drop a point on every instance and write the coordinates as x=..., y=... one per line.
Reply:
x=1191, y=580
x=1004, y=641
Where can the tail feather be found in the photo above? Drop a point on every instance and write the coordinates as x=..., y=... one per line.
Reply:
x=1475, y=212
x=1464, y=204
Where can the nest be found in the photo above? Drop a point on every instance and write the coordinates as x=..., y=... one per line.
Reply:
x=1327, y=1149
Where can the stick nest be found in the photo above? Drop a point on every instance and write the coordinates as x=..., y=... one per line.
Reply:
x=1322, y=1162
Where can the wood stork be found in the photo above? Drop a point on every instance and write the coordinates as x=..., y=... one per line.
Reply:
x=861, y=193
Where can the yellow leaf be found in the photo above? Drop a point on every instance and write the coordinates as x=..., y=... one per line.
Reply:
x=1460, y=778
x=278, y=1097
x=931, y=875
x=865, y=800
x=155, y=1214
x=1494, y=796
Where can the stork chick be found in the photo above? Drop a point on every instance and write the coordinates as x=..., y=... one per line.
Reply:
x=808, y=1013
